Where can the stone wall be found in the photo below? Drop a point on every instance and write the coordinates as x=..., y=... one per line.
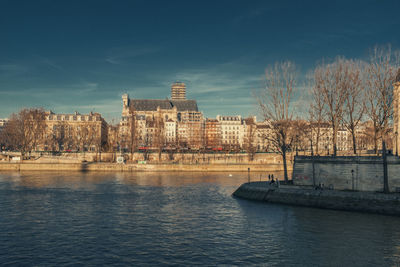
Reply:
x=265, y=168
x=184, y=158
x=347, y=173
x=327, y=199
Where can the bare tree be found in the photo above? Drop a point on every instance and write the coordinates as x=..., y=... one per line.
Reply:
x=159, y=136
x=354, y=103
x=303, y=135
x=133, y=129
x=112, y=137
x=25, y=130
x=249, y=138
x=12, y=134
x=316, y=114
x=380, y=76
x=331, y=81
x=60, y=136
x=86, y=135
x=275, y=103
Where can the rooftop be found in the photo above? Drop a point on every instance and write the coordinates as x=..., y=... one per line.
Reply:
x=152, y=104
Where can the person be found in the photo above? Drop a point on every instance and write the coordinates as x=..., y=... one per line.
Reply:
x=269, y=177
x=272, y=181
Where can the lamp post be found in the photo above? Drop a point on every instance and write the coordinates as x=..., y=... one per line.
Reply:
x=397, y=148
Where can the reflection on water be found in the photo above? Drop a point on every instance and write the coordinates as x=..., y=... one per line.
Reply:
x=87, y=180
x=176, y=219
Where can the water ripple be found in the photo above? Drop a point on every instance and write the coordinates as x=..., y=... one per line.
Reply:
x=176, y=219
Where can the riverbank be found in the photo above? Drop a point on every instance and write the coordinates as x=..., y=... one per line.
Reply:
x=372, y=202
x=96, y=166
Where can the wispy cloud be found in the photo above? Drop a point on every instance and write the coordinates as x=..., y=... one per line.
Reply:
x=77, y=89
x=50, y=63
x=119, y=55
x=250, y=14
x=11, y=69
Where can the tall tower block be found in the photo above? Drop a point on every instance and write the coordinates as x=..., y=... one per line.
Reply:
x=125, y=105
x=396, y=114
x=178, y=91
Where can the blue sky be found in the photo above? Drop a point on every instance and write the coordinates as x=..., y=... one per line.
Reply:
x=83, y=55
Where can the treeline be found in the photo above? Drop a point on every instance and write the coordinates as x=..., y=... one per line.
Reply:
x=24, y=130
x=342, y=93
x=31, y=130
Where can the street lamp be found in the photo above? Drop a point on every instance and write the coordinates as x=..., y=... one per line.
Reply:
x=397, y=148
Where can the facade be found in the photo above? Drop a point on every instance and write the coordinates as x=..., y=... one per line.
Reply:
x=191, y=130
x=74, y=132
x=170, y=133
x=112, y=138
x=157, y=123
x=396, y=114
x=3, y=123
x=262, y=143
x=178, y=91
x=232, y=131
x=343, y=140
x=212, y=134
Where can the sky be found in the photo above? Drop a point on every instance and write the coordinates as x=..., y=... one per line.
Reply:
x=68, y=56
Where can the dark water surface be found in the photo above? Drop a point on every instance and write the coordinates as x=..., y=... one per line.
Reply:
x=176, y=219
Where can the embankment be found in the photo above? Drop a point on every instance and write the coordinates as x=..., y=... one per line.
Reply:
x=27, y=166
x=371, y=202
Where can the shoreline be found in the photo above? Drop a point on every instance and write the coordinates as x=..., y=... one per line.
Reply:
x=356, y=201
x=131, y=167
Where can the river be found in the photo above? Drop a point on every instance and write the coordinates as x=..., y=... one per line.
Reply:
x=137, y=219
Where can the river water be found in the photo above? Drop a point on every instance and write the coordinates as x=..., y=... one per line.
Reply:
x=176, y=219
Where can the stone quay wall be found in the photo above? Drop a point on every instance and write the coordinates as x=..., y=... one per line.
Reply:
x=371, y=202
x=357, y=173
x=88, y=166
x=166, y=158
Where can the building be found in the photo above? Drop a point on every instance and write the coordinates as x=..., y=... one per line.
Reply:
x=153, y=123
x=3, y=123
x=170, y=133
x=112, y=138
x=343, y=142
x=178, y=91
x=263, y=140
x=396, y=113
x=232, y=131
x=191, y=130
x=212, y=134
x=74, y=132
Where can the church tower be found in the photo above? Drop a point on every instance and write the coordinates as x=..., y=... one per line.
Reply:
x=125, y=104
x=178, y=91
x=396, y=114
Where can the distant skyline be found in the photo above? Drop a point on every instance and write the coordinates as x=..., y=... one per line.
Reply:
x=83, y=55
